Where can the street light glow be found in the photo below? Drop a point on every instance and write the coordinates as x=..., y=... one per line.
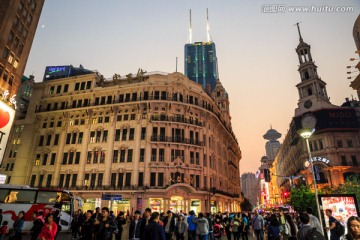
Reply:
x=306, y=132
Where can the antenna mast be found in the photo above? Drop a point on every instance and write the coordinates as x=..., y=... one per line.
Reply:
x=208, y=26
x=190, y=30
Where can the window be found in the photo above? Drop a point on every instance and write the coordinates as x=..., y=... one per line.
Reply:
x=73, y=181
x=126, y=117
x=96, y=157
x=142, y=155
x=48, y=180
x=153, y=154
x=6, y=75
x=192, y=158
x=67, y=180
x=61, y=180
x=115, y=156
x=129, y=156
x=205, y=161
x=107, y=119
x=143, y=133
x=124, y=133
x=197, y=160
x=71, y=158
x=73, y=138
x=119, y=118
x=6, y=53
x=41, y=179
x=160, y=179
x=321, y=146
x=122, y=156
x=77, y=85
x=88, y=84
x=77, y=157
x=58, y=89
x=152, y=179
x=350, y=143
x=56, y=140
x=354, y=160
x=121, y=180
x=339, y=143
x=80, y=137
x=68, y=137
x=161, y=154
x=82, y=85
x=100, y=179
x=100, y=119
x=343, y=160
x=132, y=116
x=21, y=196
x=66, y=88
x=89, y=157
x=113, y=180
x=131, y=134
x=141, y=179
x=45, y=157
x=53, y=159
x=117, y=135
x=127, y=179
x=41, y=141
x=102, y=156
x=65, y=156
x=32, y=181
x=105, y=135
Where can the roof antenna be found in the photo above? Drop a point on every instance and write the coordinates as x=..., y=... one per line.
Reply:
x=176, y=64
x=209, y=38
x=298, y=27
x=190, y=30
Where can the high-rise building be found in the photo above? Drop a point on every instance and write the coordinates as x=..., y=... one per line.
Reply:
x=355, y=84
x=156, y=139
x=200, y=61
x=18, y=23
x=250, y=187
x=201, y=64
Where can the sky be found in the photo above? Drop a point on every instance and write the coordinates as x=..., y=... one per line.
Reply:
x=255, y=43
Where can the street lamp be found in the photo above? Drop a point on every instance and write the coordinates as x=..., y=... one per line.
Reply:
x=306, y=134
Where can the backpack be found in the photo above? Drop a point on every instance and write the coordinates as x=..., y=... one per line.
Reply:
x=313, y=234
x=339, y=229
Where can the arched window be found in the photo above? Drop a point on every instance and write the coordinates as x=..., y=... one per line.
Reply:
x=321, y=178
x=306, y=75
x=309, y=91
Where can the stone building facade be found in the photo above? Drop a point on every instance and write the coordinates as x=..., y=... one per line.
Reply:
x=156, y=139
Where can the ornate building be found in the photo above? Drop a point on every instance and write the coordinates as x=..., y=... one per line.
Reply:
x=335, y=143
x=156, y=139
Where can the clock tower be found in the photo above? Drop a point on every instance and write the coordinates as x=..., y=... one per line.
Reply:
x=312, y=90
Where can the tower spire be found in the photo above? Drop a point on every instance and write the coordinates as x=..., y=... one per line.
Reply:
x=190, y=29
x=208, y=26
x=298, y=27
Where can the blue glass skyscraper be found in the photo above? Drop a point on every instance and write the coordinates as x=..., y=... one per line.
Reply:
x=201, y=64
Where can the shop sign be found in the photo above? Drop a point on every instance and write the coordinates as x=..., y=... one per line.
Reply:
x=155, y=202
x=195, y=203
x=321, y=159
x=139, y=204
x=6, y=121
x=2, y=179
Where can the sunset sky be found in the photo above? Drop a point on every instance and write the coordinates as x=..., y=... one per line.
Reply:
x=255, y=50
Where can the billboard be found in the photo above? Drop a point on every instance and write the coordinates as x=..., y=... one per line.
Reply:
x=343, y=206
x=7, y=115
x=53, y=72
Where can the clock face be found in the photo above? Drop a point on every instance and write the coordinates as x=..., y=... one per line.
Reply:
x=308, y=104
x=309, y=121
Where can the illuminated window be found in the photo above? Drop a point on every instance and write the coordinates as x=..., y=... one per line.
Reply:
x=94, y=120
x=71, y=123
x=16, y=63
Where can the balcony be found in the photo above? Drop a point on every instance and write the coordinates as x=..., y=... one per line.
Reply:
x=166, y=118
x=176, y=139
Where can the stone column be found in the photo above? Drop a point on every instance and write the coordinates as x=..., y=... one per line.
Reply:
x=109, y=151
x=83, y=157
x=136, y=156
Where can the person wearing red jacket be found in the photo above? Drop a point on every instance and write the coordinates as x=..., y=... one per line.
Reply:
x=49, y=230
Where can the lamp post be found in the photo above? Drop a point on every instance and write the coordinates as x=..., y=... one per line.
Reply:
x=306, y=134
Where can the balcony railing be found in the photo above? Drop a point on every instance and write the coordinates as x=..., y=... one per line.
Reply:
x=161, y=138
x=177, y=119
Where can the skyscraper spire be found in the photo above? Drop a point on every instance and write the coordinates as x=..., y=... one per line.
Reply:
x=208, y=26
x=298, y=27
x=190, y=29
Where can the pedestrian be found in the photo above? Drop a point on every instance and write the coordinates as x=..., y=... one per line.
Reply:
x=332, y=225
x=16, y=231
x=211, y=225
x=202, y=227
x=120, y=222
x=227, y=225
x=353, y=226
x=307, y=232
x=87, y=228
x=38, y=223
x=135, y=226
x=154, y=231
x=180, y=228
x=3, y=230
x=274, y=228
x=56, y=214
x=258, y=225
x=169, y=225
x=246, y=227
x=314, y=222
x=191, y=226
x=290, y=228
x=145, y=220
x=235, y=227
x=96, y=216
x=48, y=232
x=106, y=226
x=76, y=223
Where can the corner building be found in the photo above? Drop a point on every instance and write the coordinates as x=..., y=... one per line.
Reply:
x=156, y=139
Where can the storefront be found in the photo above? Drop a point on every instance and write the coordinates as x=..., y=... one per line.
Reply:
x=213, y=206
x=91, y=204
x=156, y=204
x=176, y=204
x=120, y=205
x=195, y=205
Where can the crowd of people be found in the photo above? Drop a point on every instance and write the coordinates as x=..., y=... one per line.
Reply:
x=102, y=224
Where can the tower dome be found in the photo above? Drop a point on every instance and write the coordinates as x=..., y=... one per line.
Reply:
x=272, y=134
